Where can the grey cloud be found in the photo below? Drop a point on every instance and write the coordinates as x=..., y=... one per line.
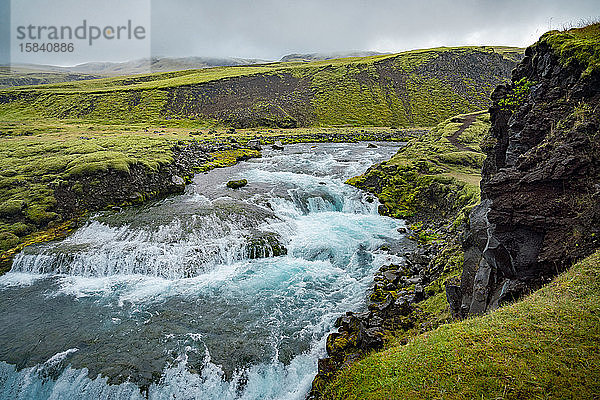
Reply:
x=269, y=29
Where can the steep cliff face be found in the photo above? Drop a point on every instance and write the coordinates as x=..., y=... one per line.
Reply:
x=540, y=207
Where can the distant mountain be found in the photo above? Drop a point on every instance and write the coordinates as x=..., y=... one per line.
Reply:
x=26, y=74
x=307, y=57
x=161, y=64
x=38, y=74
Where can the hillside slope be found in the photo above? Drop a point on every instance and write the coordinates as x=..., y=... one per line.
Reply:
x=416, y=88
x=431, y=182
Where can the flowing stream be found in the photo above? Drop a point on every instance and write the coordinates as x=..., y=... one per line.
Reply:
x=191, y=297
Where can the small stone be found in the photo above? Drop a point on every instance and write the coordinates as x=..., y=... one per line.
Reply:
x=177, y=180
x=419, y=293
x=388, y=302
x=391, y=275
x=326, y=366
x=413, y=281
x=371, y=339
x=347, y=323
x=375, y=321
x=254, y=144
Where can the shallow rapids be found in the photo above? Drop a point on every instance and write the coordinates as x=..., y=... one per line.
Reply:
x=214, y=294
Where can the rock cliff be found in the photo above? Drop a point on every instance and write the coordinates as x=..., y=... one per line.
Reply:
x=540, y=208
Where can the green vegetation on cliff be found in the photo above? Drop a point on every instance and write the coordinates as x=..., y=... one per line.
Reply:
x=576, y=46
x=433, y=182
x=545, y=346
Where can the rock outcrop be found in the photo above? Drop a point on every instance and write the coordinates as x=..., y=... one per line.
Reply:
x=540, y=208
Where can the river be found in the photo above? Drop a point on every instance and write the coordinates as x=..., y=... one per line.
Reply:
x=189, y=297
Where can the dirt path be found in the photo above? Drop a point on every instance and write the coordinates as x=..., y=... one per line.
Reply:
x=467, y=122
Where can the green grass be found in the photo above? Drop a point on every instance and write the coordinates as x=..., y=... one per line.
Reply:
x=32, y=165
x=431, y=183
x=543, y=347
x=10, y=77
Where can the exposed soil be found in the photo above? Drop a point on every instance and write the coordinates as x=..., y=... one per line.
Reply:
x=467, y=122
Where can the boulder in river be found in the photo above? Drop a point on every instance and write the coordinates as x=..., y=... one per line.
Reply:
x=237, y=184
x=277, y=145
x=254, y=144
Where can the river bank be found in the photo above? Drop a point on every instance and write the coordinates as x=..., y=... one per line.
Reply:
x=432, y=183
x=527, y=285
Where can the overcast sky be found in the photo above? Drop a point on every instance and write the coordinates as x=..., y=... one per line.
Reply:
x=269, y=29
x=272, y=28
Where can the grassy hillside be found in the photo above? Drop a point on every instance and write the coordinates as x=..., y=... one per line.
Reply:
x=415, y=88
x=18, y=76
x=577, y=46
x=544, y=347
x=434, y=175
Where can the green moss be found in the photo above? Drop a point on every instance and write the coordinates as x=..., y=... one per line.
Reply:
x=237, y=184
x=518, y=93
x=227, y=158
x=8, y=240
x=39, y=216
x=429, y=178
x=464, y=158
x=20, y=228
x=11, y=208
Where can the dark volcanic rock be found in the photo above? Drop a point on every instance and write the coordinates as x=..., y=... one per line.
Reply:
x=390, y=308
x=107, y=188
x=540, y=184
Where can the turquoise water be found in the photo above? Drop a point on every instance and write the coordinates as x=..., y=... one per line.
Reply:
x=169, y=300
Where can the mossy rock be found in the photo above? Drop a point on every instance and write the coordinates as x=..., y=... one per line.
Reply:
x=39, y=216
x=266, y=244
x=11, y=208
x=8, y=240
x=339, y=343
x=236, y=184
